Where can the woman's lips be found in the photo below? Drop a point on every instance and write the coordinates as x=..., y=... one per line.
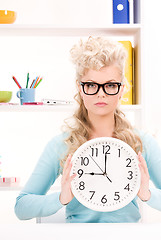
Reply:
x=101, y=104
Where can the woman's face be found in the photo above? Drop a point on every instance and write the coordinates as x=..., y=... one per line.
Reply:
x=101, y=103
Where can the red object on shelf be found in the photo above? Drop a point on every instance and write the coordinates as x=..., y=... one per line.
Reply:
x=9, y=181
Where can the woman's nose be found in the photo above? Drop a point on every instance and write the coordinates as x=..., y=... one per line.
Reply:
x=101, y=92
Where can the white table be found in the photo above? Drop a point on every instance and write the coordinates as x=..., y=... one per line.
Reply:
x=78, y=231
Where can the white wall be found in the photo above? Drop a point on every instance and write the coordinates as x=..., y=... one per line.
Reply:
x=60, y=12
x=152, y=65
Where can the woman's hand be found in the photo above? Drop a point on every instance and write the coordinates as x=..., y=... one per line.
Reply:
x=66, y=194
x=144, y=192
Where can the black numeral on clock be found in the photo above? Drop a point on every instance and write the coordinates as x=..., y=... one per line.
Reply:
x=104, y=199
x=81, y=185
x=127, y=187
x=117, y=196
x=84, y=161
x=94, y=152
x=93, y=192
x=106, y=149
x=129, y=162
x=130, y=175
x=119, y=152
x=80, y=172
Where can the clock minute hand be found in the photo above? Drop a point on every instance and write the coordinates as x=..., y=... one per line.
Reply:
x=105, y=163
x=105, y=174
x=108, y=178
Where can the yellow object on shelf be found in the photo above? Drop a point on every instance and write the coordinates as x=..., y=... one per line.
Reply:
x=127, y=98
x=5, y=96
x=7, y=16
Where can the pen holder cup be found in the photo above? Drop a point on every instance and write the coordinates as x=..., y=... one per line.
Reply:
x=26, y=95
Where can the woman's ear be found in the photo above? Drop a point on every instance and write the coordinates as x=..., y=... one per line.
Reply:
x=122, y=91
x=79, y=89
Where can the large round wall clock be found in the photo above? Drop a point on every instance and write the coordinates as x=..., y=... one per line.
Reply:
x=108, y=175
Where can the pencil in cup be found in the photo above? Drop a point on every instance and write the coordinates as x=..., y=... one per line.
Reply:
x=33, y=84
x=38, y=83
x=27, y=80
x=16, y=82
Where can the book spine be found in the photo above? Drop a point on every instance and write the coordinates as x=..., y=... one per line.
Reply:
x=127, y=98
x=121, y=11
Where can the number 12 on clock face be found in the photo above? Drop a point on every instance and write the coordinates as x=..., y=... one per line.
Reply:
x=108, y=176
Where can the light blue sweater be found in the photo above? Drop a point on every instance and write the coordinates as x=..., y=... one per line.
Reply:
x=33, y=201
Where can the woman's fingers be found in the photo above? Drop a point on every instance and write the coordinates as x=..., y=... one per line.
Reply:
x=143, y=164
x=67, y=170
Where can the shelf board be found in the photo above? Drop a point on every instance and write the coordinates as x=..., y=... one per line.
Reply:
x=52, y=30
x=19, y=188
x=134, y=107
x=16, y=188
x=56, y=108
x=38, y=108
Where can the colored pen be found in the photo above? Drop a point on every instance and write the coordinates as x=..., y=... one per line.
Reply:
x=27, y=80
x=38, y=83
x=16, y=82
x=34, y=82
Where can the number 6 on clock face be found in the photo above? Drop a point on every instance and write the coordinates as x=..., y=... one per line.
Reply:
x=108, y=175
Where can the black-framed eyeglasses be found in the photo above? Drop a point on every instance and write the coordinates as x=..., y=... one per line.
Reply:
x=92, y=88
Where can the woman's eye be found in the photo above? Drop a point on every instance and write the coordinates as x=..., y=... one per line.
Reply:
x=111, y=85
x=91, y=85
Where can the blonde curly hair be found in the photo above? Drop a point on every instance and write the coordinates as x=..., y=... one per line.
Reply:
x=96, y=53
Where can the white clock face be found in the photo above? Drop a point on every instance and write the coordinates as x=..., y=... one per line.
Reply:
x=108, y=176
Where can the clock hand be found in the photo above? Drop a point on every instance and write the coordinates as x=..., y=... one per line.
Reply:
x=96, y=163
x=108, y=178
x=105, y=162
x=92, y=173
x=105, y=174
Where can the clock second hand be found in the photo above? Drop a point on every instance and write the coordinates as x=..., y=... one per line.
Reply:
x=104, y=173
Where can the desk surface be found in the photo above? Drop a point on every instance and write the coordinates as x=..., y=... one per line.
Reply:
x=78, y=231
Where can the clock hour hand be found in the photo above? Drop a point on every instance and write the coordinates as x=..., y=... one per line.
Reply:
x=102, y=174
x=92, y=173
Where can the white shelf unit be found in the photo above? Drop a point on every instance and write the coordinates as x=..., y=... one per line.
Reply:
x=19, y=188
x=118, y=31
x=52, y=30
x=56, y=108
x=16, y=188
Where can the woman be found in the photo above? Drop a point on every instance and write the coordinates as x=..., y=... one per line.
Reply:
x=100, y=81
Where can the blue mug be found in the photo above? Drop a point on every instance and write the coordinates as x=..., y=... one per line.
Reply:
x=26, y=95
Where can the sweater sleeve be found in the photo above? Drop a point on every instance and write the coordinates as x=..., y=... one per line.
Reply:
x=33, y=201
x=153, y=159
